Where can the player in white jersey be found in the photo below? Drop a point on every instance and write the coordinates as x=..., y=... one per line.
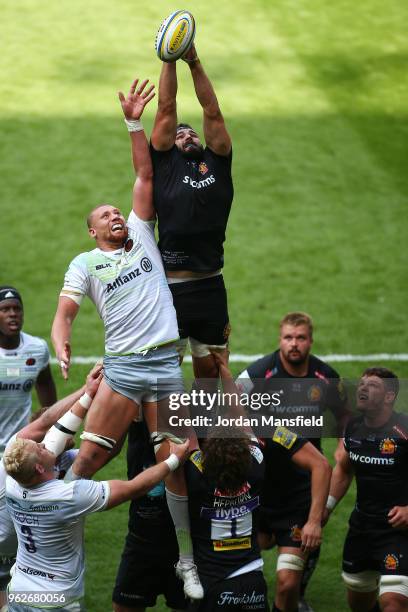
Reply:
x=48, y=516
x=24, y=363
x=124, y=277
x=36, y=430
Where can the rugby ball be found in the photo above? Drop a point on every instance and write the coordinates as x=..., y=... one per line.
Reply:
x=175, y=36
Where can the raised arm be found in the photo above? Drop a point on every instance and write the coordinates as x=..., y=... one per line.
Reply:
x=309, y=458
x=215, y=132
x=133, y=106
x=164, y=130
x=67, y=310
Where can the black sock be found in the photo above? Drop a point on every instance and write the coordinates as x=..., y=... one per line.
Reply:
x=376, y=608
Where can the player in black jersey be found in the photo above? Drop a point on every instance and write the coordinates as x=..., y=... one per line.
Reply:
x=224, y=482
x=151, y=550
x=193, y=194
x=375, y=556
x=293, y=498
x=308, y=386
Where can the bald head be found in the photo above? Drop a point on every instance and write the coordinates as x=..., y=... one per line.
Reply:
x=89, y=219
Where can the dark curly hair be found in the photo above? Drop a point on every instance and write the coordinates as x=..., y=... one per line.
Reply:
x=226, y=460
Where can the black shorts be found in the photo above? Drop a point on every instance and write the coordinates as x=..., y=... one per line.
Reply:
x=146, y=572
x=286, y=528
x=245, y=592
x=375, y=546
x=202, y=310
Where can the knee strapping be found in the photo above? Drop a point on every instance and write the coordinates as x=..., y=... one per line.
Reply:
x=288, y=561
x=104, y=441
x=394, y=584
x=361, y=582
x=158, y=437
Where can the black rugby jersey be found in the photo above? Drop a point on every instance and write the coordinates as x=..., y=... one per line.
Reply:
x=285, y=484
x=192, y=199
x=380, y=461
x=149, y=517
x=223, y=527
x=310, y=395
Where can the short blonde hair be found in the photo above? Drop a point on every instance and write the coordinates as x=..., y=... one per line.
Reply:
x=297, y=318
x=20, y=459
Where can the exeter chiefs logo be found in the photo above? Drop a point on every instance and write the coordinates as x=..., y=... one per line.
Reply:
x=314, y=393
x=387, y=446
x=296, y=533
x=391, y=562
x=203, y=168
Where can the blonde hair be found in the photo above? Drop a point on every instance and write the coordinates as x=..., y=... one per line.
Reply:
x=20, y=459
x=297, y=318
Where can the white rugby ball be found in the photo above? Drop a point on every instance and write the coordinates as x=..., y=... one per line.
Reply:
x=175, y=36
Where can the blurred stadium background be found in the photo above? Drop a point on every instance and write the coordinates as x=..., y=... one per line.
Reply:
x=315, y=97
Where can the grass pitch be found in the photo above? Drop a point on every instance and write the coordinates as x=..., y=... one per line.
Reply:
x=314, y=95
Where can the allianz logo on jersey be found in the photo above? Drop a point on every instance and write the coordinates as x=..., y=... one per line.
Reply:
x=199, y=184
x=25, y=386
x=371, y=460
x=145, y=266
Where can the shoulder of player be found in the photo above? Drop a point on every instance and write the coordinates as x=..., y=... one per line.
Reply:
x=168, y=154
x=318, y=366
x=401, y=425
x=260, y=367
x=208, y=152
x=33, y=342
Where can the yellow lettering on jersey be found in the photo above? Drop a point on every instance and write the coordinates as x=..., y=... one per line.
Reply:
x=196, y=458
x=232, y=544
x=284, y=436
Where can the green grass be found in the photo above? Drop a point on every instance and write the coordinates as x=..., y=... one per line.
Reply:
x=315, y=96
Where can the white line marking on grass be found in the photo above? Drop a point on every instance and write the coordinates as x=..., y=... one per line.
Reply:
x=238, y=358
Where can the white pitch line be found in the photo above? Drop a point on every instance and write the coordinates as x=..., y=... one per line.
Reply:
x=238, y=358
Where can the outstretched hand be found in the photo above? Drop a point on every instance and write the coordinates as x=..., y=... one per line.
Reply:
x=133, y=105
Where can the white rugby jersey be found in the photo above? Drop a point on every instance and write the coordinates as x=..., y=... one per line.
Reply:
x=49, y=522
x=19, y=369
x=129, y=289
x=8, y=539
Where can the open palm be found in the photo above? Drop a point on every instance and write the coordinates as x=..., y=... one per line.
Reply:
x=133, y=105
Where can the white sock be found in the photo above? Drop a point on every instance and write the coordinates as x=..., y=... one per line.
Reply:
x=178, y=508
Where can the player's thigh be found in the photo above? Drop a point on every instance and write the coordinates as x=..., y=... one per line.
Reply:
x=391, y=549
x=233, y=593
x=137, y=582
x=111, y=413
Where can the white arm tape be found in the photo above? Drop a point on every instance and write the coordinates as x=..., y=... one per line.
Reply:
x=64, y=428
x=134, y=125
x=331, y=503
x=173, y=462
x=75, y=297
x=85, y=400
